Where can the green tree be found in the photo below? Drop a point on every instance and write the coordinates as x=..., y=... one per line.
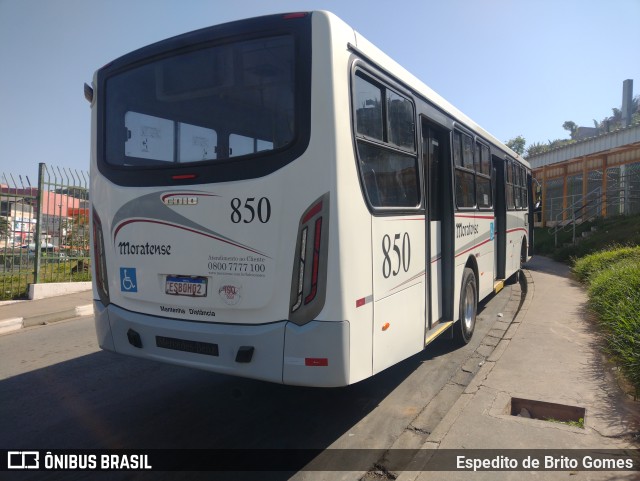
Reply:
x=571, y=127
x=537, y=148
x=517, y=144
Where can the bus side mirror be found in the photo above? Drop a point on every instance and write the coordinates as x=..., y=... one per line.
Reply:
x=88, y=93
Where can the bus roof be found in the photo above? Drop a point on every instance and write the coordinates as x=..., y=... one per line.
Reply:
x=392, y=67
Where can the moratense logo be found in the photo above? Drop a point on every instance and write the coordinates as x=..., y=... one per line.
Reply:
x=130, y=249
x=463, y=230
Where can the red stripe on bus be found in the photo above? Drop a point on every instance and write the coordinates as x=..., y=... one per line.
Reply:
x=473, y=247
x=489, y=240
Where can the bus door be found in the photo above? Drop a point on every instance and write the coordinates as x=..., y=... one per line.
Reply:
x=500, y=235
x=398, y=242
x=531, y=205
x=433, y=146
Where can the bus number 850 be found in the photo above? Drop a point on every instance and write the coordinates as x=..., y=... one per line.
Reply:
x=401, y=254
x=262, y=211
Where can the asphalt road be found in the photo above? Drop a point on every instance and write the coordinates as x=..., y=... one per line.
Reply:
x=59, y=391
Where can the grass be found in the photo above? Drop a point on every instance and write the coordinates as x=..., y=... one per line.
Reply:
x=576, y=424
x=588, y=267
x=613, y=278
x=15, y=284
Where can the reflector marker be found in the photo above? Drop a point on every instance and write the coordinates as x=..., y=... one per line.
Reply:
x=365, y=300
x=294, y=361
x=316, y=361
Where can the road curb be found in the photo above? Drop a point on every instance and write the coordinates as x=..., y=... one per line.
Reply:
x=470, y=391
x=8, y=325
x=452, y=415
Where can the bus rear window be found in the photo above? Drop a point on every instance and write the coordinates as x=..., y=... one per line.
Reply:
x=204, y=105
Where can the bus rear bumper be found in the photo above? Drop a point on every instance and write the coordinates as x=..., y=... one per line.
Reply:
x=315, y=354
x=208, y=346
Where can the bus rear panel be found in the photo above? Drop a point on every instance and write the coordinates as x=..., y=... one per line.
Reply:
x=212, y=206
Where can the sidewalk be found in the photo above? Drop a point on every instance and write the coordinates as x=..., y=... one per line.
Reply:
x=551, y=354
x=18, y=314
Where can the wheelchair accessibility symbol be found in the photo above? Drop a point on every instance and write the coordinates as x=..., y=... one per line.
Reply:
x=128, y=281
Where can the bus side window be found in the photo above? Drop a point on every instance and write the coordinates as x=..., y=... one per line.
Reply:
x=464, y=170
x=385, y=139
x=390, y=178
x=368, y=109
x=483, y=177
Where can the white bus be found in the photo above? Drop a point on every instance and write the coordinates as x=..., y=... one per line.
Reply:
x=276, y=198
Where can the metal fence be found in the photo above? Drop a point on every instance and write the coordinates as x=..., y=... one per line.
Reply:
x=44, y=229
x=620, y=194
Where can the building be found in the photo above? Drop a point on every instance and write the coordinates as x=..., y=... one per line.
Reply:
x=595, y=176
x=59, y=211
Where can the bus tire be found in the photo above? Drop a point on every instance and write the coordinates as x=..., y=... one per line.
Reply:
x=515, y=278
x=468, y=308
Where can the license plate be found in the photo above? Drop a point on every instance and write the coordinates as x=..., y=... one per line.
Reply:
x=186, y=286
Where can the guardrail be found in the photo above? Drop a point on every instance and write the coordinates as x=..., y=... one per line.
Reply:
x=578, y=211
x=617, y=201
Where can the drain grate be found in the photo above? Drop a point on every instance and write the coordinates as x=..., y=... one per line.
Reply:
x=546, y=411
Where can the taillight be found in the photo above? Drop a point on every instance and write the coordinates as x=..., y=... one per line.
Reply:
x=291, y=16
x=99, y=261
x=316, y=262
x=309, y=279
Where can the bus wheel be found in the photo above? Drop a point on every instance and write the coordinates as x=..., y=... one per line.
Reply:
x=515, y=278
x=468, y=308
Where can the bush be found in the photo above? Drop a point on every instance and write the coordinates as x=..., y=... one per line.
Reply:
x=587, y=266
x=14, y=284
x=614, y=294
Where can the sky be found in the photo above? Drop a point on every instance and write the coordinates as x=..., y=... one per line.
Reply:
x=516, y=67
